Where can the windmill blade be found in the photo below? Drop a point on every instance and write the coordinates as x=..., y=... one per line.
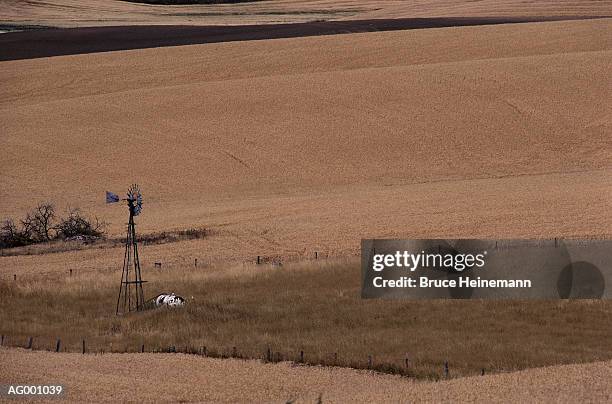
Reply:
x=135, y=197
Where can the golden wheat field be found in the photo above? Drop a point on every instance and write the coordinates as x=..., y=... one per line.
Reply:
x=289, y=147
x=296, y=145
x=73, y=13
x=121, y=377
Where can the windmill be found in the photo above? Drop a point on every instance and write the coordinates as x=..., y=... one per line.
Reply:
x=131, y=296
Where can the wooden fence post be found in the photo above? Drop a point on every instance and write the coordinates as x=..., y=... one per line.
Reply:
x=57, y=345
x=446, y=369
x=2, y=341
x=269, y=355
x=406, y=362
x=301, y=356
x=142, y=348
x=258, y=260
x=83, y=345
x=30, y=343
x=482, y=372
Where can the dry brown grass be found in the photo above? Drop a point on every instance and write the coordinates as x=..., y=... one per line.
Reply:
x=311, y=306
x=71, y=13
x=57, y=246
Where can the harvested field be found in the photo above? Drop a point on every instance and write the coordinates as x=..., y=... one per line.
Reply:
x=120, y=377
x=300, y=145
x=73, y=13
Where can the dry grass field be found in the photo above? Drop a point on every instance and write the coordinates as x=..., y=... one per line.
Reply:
x=281, y=148
x=121, y=377
x=73, y=13
x=312, y=306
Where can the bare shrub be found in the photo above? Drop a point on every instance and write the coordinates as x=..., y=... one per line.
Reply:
x=38, y=224
x=12, y=236
x=76, y=224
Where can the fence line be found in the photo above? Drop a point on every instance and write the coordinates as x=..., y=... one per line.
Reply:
x=269, y=356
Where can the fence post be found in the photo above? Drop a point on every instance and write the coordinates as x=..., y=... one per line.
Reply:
x=258, y=260
x=15, y=277
x=301, y=356
x=2, y=341
x=57, y=345
x=142, y=348
x=446, y=369
x=482, y=372
x=204, y=351
x=83, y=345
x=407, y=361
x=316, y=255
x=234, y=352
x=269, y=355
x=30, y=343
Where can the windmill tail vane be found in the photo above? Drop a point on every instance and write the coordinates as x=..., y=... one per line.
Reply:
x=111, y=197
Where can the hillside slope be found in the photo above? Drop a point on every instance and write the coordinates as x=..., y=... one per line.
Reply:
x=73, y=13
x=297, y=144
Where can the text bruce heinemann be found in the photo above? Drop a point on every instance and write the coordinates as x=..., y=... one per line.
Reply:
x=458, y=262
x=462, y=282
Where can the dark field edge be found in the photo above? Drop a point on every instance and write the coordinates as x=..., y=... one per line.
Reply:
x=39, y=43
x=187, y=2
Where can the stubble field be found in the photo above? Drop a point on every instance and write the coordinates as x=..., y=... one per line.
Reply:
x=121, y=377
x=74, y=13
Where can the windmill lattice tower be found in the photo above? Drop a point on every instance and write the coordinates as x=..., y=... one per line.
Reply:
x=131, y=296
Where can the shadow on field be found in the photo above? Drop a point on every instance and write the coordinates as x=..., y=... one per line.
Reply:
x=70, y=41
